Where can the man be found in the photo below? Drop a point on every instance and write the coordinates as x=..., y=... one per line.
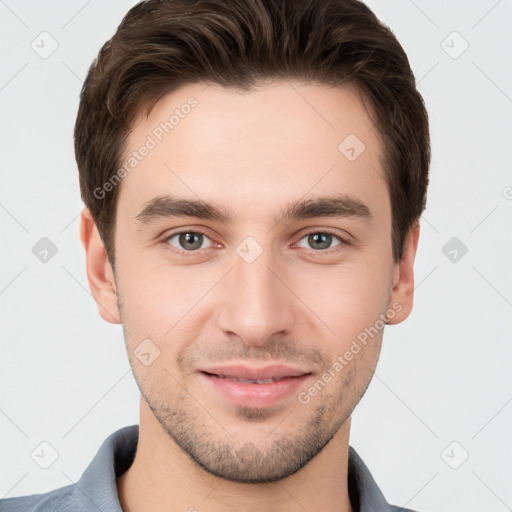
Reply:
x=253, y=174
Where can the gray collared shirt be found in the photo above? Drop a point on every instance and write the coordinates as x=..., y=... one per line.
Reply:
x=97, y=491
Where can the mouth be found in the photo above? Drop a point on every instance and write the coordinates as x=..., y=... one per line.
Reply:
x=254, y=387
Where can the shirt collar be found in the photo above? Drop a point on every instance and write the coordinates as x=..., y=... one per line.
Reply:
x=97, y=486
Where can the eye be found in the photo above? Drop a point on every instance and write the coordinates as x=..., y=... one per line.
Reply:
x=322, y=240
x=189, y=241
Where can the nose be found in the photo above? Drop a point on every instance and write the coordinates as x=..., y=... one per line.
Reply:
x=256, y=302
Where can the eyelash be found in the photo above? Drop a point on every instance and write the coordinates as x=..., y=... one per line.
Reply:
x=343, y=242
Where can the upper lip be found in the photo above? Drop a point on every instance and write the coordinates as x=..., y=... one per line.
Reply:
x=275, y=371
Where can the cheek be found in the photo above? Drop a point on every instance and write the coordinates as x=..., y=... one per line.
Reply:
x=157, y=297
x=347, y=298
x=169, y=307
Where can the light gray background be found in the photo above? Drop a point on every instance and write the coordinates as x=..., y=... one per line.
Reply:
x=443, y=376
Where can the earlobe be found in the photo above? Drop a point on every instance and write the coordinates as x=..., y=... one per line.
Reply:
x=99, y=270
x=402, y=294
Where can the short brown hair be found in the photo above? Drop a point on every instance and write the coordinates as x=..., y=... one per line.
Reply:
x=161, y=45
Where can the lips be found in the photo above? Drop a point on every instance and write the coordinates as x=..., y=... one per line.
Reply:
x=254, y=387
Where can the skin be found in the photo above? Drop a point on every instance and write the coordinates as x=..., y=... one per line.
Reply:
x=252, y=153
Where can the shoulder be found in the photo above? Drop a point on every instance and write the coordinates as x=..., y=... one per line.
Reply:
x=58, y=500
x=365, y=494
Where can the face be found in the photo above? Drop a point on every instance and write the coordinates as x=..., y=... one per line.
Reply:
x=253, y=317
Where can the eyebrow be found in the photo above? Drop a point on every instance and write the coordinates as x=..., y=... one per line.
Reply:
x=168, y=206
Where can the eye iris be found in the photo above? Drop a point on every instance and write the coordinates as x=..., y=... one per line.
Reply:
x=323, y=239
x=191, y=238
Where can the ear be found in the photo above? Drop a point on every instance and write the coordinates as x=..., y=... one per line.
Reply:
x=99, y=271
x=402, y=293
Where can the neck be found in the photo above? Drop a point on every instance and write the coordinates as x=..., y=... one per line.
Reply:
x=163, y=477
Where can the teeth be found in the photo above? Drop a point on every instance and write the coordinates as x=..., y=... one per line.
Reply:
x=249, y=381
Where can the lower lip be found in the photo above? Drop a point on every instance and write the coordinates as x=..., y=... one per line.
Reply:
x=248, y=394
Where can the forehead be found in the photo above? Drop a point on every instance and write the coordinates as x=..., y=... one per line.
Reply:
x=252, y=150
